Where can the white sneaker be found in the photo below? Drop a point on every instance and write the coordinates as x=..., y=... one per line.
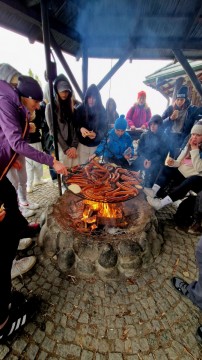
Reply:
x=155, y=203
x=22, y=266
x=40, y=182
x=30, y=206
x=24, y=243
x=26, y=212
x=29, y=189
x=149, y=192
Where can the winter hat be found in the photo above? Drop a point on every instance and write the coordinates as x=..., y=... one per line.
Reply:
x=29, y=88
x=197, y=128
x=8, y=73
x=120, y=123
x=141, y=93
x=182, y=93
x=63, y=85
x=156, y=119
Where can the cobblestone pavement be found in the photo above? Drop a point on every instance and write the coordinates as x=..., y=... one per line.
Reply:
x=140, y=318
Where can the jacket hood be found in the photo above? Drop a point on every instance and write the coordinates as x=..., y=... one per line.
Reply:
x=7, y=72
x=60, y=77
x=93, y=91
x=6, y=90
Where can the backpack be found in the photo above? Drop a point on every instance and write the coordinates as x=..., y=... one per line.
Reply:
x=184, y=214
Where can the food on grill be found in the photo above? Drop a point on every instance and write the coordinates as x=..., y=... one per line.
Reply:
x=74, y=188
x=104, y=182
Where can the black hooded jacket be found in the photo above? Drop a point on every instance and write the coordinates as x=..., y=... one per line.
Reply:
x=91, y=118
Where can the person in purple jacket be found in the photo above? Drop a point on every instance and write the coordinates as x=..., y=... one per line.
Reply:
x=15, y=107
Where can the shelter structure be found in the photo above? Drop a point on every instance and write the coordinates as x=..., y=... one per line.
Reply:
x=166, y=79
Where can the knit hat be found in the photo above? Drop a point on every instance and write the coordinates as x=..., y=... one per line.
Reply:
x=141, y=93
x=197, y=128
x=156, y=119
x=120, y=123
x=63, y=86
x=182, y=93
x=29, y=88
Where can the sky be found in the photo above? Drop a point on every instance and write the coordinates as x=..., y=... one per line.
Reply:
x=123, y=87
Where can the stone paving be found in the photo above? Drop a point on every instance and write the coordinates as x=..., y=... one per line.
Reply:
x=139, y=318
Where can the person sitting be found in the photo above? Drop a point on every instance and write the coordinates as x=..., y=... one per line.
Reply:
x=151, y=151
x=185, y=172
x=178, y=120
x=111, y=112
x=91, y=123
x=192, y=291
x=117, y=147
x=139, y=114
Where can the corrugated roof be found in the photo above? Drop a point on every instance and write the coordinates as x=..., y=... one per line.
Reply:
x=146, y=29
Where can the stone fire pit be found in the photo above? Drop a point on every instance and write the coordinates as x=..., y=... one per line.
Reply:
x=109, y=251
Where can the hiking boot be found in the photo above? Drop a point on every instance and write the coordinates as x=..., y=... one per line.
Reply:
x=149, y=192
x=29, y=189
x=195, y=229
x=30, y=206
x=18, y=317
x=22, y=266
x=24, y=243
x=40, y=182
x=180, y=285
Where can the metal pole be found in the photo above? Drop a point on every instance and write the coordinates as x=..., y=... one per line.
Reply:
x=85, y=68
x=46, y=40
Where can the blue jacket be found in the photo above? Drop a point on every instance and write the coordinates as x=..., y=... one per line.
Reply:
x=194, y=113
x=114, y=146
x=14, y=130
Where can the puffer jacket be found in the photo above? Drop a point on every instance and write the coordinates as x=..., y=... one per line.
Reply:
x=114, y=146
x=14, y=129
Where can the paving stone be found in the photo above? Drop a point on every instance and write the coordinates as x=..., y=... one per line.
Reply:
x=48, y=344
x=43, y=355
x=86, y=355
x=32, y=351
x=4, y=350
x=115, y=356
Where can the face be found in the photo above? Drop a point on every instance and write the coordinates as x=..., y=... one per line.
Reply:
x=197, y=138
x=141, y=100
x=119, y=132
x=154, y=127
x=30, y=104
x=63, y=94
x=91, y=101
x=180, y=102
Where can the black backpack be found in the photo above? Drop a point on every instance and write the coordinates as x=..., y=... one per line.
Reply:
x=184, y=214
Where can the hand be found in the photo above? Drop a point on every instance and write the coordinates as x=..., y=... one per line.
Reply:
x=170, y=161
x=147, y=164
x=133, y=127
x=2, y=215
x=17, y=165
x=174, y=115
x=91, y=135
x=127, y=157
x=143, y=126
x=193, y=143
x=59, y=167
x=32, y=128
x=71, y=153
x=84, y=132
x=91, y=157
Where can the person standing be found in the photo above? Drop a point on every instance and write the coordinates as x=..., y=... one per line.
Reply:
x=91, y=123
x=111, y=112
x=139, y=114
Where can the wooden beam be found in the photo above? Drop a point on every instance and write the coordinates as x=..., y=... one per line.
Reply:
x=188, y=69
x=61, y=57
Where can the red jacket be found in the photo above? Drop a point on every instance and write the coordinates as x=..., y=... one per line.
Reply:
x=138, y=116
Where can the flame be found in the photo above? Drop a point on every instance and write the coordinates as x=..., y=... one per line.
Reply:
x=105, y=210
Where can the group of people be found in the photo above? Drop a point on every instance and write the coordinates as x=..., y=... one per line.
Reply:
x=84, y=131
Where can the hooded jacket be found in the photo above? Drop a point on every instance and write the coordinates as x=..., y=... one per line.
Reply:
x=14, y=129
x=114, y=146
x=66, y=132
x=91, y=118
x=7, y=72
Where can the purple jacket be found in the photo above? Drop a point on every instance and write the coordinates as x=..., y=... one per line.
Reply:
x=14, y=129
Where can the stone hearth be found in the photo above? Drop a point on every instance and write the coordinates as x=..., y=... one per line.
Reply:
x=109, y=252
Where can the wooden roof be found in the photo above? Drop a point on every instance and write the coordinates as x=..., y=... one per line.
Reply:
x=143, y=29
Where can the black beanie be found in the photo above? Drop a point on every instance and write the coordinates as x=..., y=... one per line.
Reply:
x=182, y=93
x=29, y=88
